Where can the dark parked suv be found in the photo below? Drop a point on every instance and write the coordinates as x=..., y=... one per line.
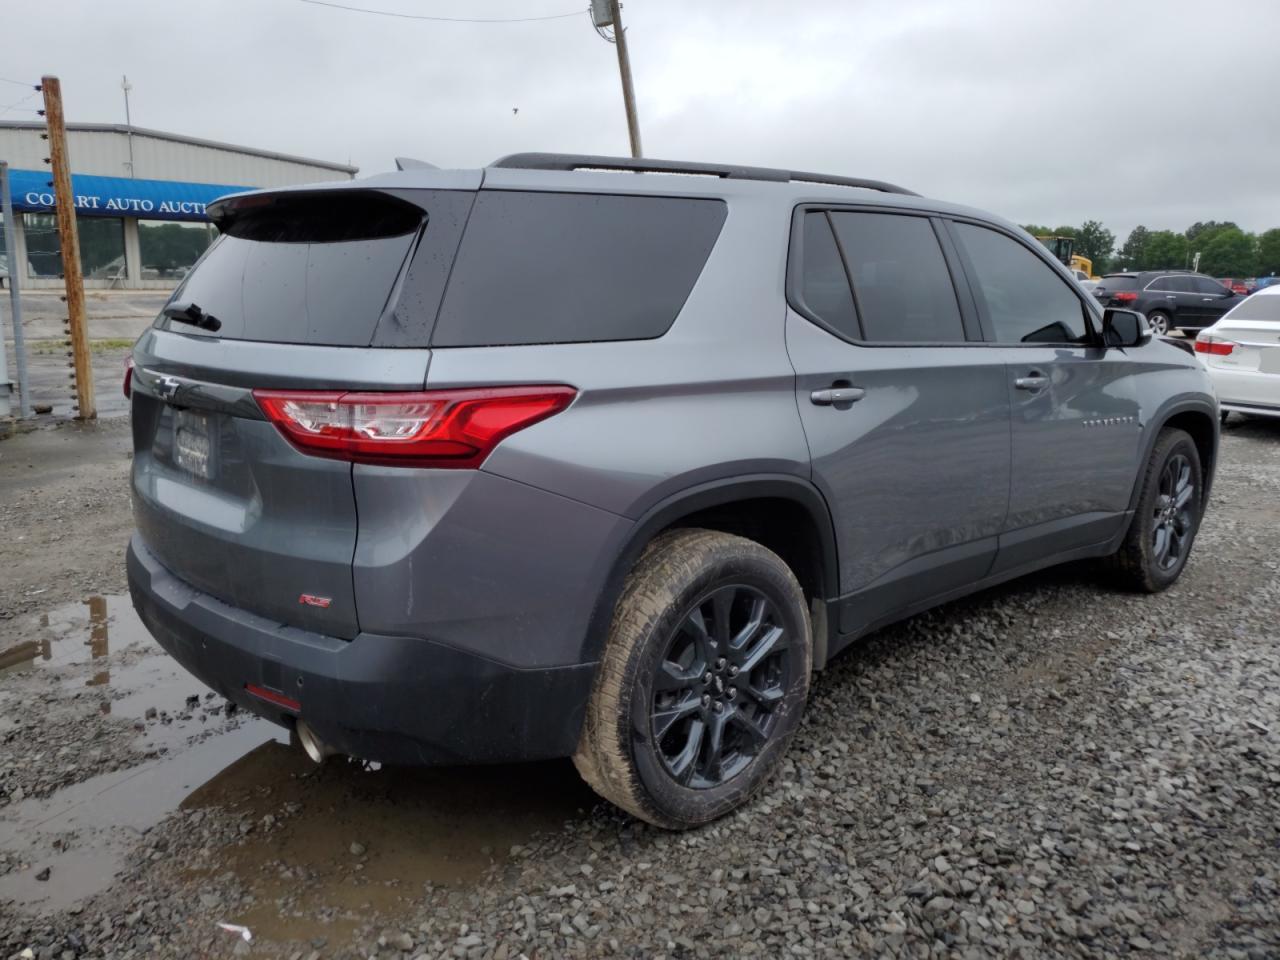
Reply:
x=1171, y=299
x=579, y=456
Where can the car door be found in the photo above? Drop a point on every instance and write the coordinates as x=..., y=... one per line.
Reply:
x=1212, y=300
x=1183, y=300
x=1076, y=430
x=905, y=412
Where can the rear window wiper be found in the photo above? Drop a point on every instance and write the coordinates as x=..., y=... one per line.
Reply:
x=187, y=312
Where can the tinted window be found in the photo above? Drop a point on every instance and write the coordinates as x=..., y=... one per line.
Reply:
x=1207, y=285
x=902, y=289
x=1025, y=300
x=1171, y=285
x=1118, y=283
x=824, y=285
x=568, y=268
x=315, y=269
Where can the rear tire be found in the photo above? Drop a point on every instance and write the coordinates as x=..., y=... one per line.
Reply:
x=1164, y=527
x=702, y=681
x=1158, y=321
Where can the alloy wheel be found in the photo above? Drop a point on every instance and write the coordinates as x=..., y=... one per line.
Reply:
x=724, y=673
x=1174, y=518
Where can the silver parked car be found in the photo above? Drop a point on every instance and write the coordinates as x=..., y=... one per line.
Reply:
x=590, y=457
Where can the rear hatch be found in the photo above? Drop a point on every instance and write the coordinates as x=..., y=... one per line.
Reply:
x=318, y=290
x=1117, y=290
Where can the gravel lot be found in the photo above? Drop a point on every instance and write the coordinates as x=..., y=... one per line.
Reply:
x=1052, y=768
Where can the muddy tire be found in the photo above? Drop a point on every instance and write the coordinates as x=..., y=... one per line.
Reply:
x=1163, y=529
x=702, y=681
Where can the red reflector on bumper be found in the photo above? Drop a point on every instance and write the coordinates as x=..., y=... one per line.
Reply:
x=279, y=699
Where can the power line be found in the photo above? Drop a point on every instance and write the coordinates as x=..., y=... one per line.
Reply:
x=416, y=16
x=18, y=103
x=21, y=83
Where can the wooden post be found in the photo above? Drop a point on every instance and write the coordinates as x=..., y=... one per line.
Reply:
x=69, y=242
x=624, y=68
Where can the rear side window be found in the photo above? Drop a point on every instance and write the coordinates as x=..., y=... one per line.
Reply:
x=572, y=268
x=1024, y=299
x=901, y=286
x=313, y=268
x=824, y=285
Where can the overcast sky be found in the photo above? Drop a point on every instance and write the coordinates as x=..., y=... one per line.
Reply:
x=1161, y=113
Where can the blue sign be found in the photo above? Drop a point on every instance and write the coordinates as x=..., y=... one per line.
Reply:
x=119, y=196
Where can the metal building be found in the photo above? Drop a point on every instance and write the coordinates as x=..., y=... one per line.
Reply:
x=140, y=199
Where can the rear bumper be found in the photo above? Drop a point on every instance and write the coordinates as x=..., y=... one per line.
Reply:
x=390, y=699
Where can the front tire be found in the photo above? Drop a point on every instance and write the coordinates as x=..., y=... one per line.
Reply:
x=702, y=682
x=1163, y=529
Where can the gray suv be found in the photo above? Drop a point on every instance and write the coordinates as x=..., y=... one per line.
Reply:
x=590, y=457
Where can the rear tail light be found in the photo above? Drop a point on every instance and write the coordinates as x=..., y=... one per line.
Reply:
x=1125, y=296
x=127, y=386
x=436, y=428
x=1214, y=345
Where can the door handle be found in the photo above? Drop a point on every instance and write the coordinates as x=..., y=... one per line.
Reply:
x=1034, y=382
x=825, y=398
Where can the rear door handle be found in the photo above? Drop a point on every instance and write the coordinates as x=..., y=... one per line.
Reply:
x=825, y=398
x=1033, y=382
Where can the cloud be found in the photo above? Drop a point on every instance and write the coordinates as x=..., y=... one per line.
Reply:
x=1148, y=112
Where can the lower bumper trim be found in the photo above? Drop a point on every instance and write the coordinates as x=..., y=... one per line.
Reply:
x=398, y=700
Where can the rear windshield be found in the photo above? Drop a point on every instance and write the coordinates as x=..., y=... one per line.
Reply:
x=1258, y=308
x=1118, y=283
x=571, y=268
x=316, y=268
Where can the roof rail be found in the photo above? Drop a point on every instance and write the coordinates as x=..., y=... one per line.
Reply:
x=574, y=161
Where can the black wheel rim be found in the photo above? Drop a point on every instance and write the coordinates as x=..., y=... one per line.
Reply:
x=721, y=678
x=1174, y=513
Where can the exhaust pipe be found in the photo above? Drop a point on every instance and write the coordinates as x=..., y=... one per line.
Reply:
x=317, y=750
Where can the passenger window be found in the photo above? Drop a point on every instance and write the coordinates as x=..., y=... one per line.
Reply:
x=1025, y=300
x=824, y=286
x=901, y=285
x=1207, y=286
x=1172, y=285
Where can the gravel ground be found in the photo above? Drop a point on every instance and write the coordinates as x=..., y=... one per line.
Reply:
x=1052, y=768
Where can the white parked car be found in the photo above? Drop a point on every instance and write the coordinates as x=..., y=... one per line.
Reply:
x=1242, y=353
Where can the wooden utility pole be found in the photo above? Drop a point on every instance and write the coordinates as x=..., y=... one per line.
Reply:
x=69, y=242
x=624, y=68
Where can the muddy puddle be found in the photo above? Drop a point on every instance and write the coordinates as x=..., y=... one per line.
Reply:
x=330, y=845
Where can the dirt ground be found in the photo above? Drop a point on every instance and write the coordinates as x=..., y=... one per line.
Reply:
x=1052, y=768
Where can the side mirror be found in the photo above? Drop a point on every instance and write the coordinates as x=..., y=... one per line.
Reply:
x=1124, y=328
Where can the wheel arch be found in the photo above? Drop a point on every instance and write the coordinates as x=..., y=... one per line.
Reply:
x=1199, y=418
x=785, y=513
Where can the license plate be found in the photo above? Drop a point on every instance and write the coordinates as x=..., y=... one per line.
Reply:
x=192, y=445
x=1270, y=361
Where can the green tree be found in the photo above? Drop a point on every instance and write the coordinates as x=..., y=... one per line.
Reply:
x=1269, y=253
x=1165, y=250
x=1201, y=229
x=1134, y=252
x=1228, y=252
x=1096, y=242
